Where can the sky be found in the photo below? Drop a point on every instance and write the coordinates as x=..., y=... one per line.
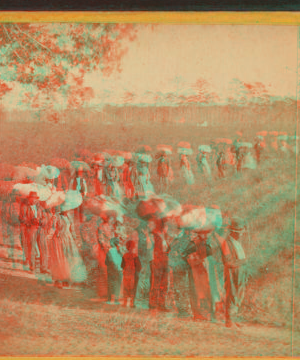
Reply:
x=170, y=58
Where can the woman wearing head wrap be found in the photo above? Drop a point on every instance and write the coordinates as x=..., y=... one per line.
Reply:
x=141, y=175
x=186, y=169
x=112, y=178
x=203, y=166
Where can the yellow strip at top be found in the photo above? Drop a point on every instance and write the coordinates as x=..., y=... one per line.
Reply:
x=235, y=18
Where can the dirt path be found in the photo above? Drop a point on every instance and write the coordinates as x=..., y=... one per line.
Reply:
x=41, y=320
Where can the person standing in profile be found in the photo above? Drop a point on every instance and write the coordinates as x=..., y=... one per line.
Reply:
x=113, y=263
x=258, y=148
x=186, y=169
x=131, y=266
x=221, y=164
x=159, y=265
x=126, y=179
x=163, y=172
x=234, y=260
x=203, y=166
x=79, y=184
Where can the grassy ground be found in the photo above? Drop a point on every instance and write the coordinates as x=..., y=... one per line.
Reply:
x=264, y=197
x=34, y=324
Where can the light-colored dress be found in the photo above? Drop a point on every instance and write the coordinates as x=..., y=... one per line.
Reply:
x=203, y=166
x=143, y=185
x=65, y=262
x=186, y=170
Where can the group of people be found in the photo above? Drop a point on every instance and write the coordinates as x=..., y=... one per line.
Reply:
x=160, y=261
x=201, y=270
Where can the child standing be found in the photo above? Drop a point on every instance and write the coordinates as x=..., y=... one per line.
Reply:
x=131, y=266
x=114, y=272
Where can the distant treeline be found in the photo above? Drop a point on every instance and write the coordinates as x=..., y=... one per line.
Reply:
x=273, y=114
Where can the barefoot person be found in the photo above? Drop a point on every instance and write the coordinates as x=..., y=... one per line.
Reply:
x=131, y=266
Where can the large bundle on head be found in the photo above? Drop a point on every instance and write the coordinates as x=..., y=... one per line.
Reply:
x=283, y=137
x=204, y=148
x=166, y=149
x=200, y=218
x=73, y=200
x=117, y=161
x=104, y=207
x=244, y=145
x=144, y=149
x=223, y=141
x=126, y=155
x=25, y=174
x=7, y=171
x=24, y=190
x=76, y=165
x=160, y=207
x=56, y=199
x=29, y=165
x=262, y=133
x=47, y=173
x=145, y=158
x=184, y=148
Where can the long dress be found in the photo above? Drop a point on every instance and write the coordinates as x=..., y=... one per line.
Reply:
x=65, y=262
x=112, y=183
x=186, y=170
x=203, y=167
x=142, y=183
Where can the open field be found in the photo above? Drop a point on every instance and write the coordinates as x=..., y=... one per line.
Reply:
x=265, y=198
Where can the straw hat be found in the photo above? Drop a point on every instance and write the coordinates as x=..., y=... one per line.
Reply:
x=237, y=224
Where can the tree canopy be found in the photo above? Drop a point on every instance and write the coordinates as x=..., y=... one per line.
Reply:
x=50, y=60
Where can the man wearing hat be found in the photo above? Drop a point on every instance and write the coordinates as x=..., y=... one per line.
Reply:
x=31, y=218
x=234, y=259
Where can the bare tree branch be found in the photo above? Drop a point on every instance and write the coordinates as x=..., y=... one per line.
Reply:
x=9, y=39
x=32, y=38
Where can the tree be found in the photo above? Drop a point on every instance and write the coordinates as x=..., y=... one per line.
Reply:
x=43, y=57
x=203, y=93
x=254, y=95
